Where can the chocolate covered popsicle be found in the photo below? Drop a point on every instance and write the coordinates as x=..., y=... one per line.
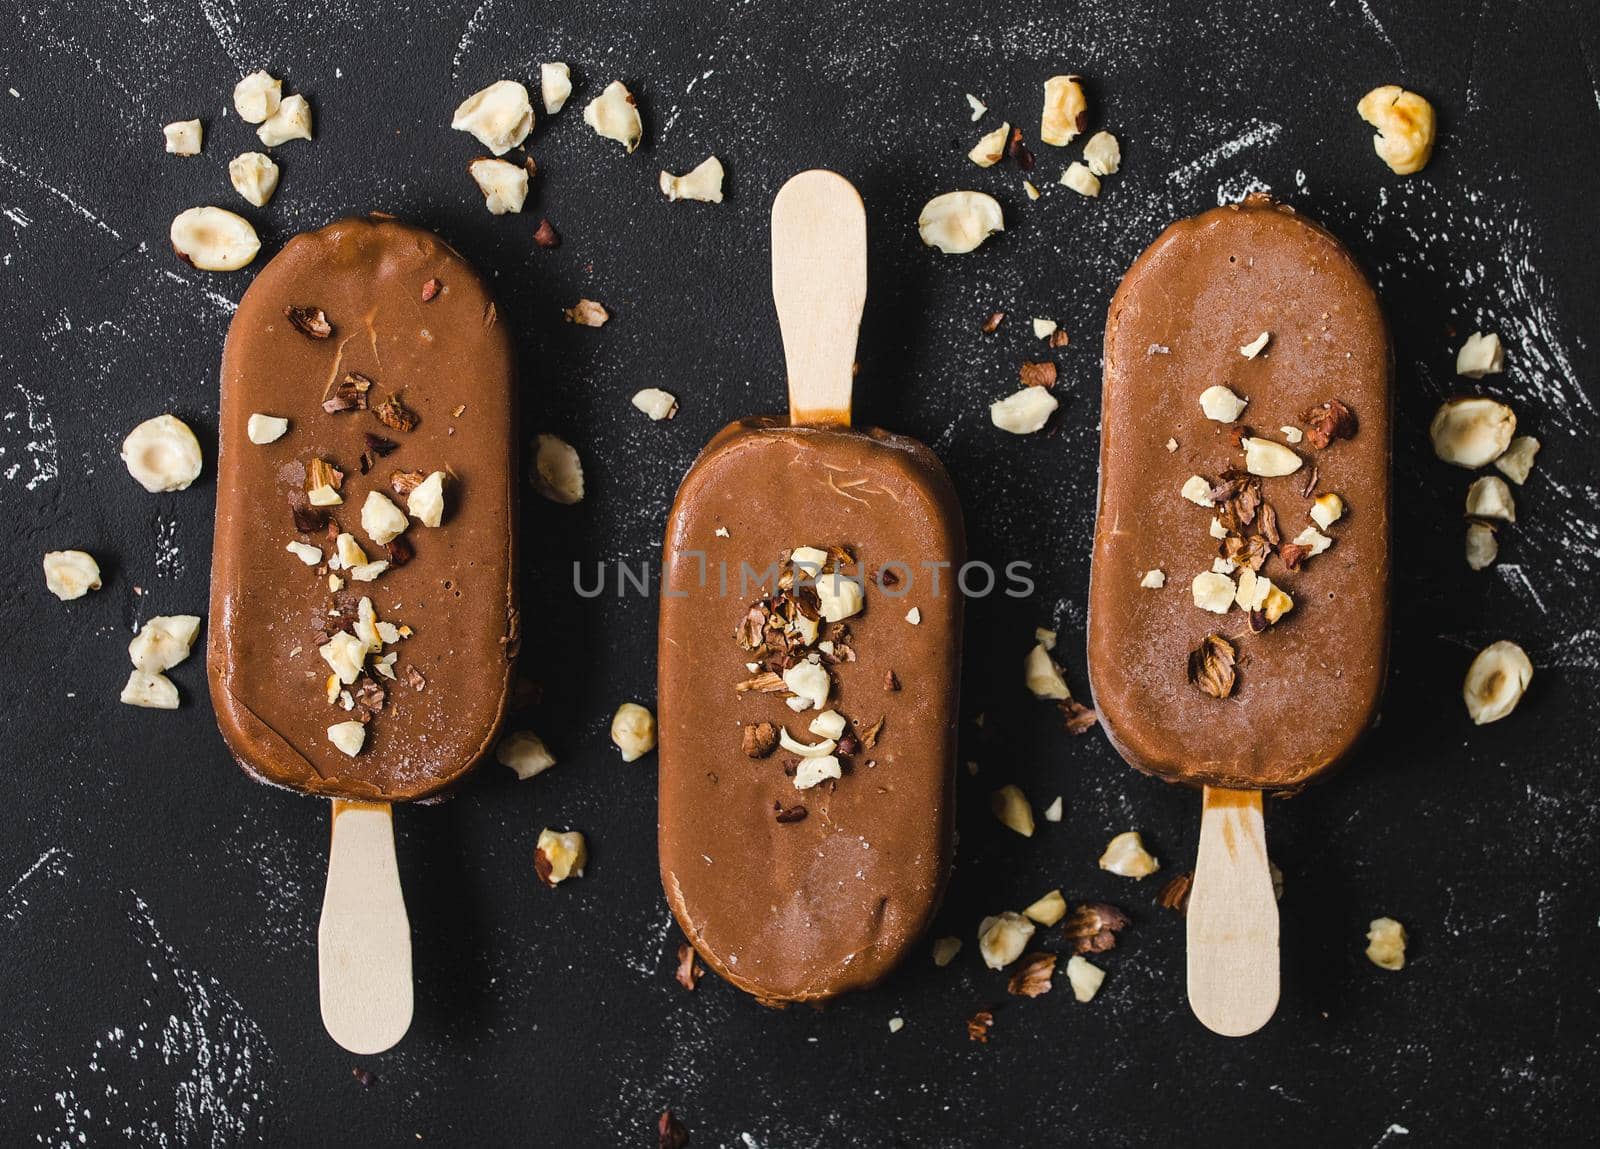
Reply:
x=807, y=721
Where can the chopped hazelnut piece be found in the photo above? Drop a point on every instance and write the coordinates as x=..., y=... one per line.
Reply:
x=896, y=1024
x=978, y=107
x=1002, y=938
x=1481, y=355
x=306, y=553
x=292, y=121
x=70, y=574
x=1313, y=540
x=504, y=184
x=1153, y=579
x=991, y=149
x=558, y=472
x=1066, y=110
x=347, y=552
x=689, y=971
x=1032, y=978
x=1103, y=154
x=1405, y=124
x=809, y=683
x=344, y=653
x=1127, y=857
x=828, y=724
x=1221, y=405
x=1212, y=591
x=524, y=753
x=183, y=137
x=615, y=116
x=1268, y=459
x=1490, y=498
x=1256, y=346
x=633, y=730
x=1093, y=927
x=759, y=739
x=1216, y=530
x=1292, y=434
x=1482, y=546
x=349, y=737
x=212, y=239
x=1042, y=676
x=256, y=97
x=1496, y=681
x=263, y=429
x=162, y=454
x=559, y=855
x=426, y=501
x=814, y=771
x=1327, y=422
x=703, y=183
x=1039, y=374
x=1044, y=328
x=1080, y=179
x=152, y=691
x=1386, y=943
x=1052, y=812
x=381, y=519
x=992, y=324
x=1048, y=910
x=1327, y=510
x=945, y=950
x=555, y=85
x=656, y=403
x=1010, y=805
x=805, y=750
x=545, y=235
x=1472, y=432
x=914, y=616
x=587, y=313
x=1029, y=189
x=1024, y=412
x=979, y=1025
x=1175, y=894
x=499, y=116
x=1084, y=977
x=254, y=176
x=1517, y=461
x=959, y=221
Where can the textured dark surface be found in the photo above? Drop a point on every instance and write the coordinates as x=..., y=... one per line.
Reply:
x=157, y=919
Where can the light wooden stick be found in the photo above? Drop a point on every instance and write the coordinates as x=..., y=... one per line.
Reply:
x=819, y=282
x=1233, y=918
x=364, y=938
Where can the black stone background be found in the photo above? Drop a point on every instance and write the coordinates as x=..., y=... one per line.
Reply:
x=157, y=920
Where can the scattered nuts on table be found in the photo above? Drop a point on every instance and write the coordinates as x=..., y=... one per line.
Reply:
x=614, y=115
x=1048, y=910
x=978, y=107
x=959, y=221
x=292, y=121
x=633, y=730
x=1386, y=943
x=1080, y=179
x=1490, y=498
x=1481, y=355
x=555, y=85
x=254, y=176
x=499, y=117
x=703, y=183
x=1127, y=857
x=1084, y=977
x=183, y=137
x=525, y=753
x=1405, y=124
x=256, y=97
x=559, y=855
x=991, y=149
x=162, y=454
x=587, y=313
x=1024, y=412
x=1516, y=461
x=1066, y=110
x=656, y=403
x=1042, y=676
x=1103, y=154
x=945, y=950
x=70, y=574
x=1482, y=545
x=1002, y=938
x=1496, y=681
x=504, y=184
x=1010, y=806
x=1471, y=432
x=213, y=239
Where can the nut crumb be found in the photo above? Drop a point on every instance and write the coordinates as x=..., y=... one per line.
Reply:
x=1092, y=928
x=587, y=313
x=689, y=970
x=759, y=740
x=1032, y=978
x=979, y=1024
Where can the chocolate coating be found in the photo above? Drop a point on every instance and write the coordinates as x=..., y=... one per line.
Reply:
x=805, y=910
x=457, y=593
x=1309, y=686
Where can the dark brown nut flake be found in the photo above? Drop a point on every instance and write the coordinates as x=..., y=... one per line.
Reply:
x=400, y=551
x=1092, y=928
x=670, y=1132
x=413, y=678
x=309, y=321
x=404, y=482
x=370, y=696
x=847, y=746
x=587, y=313
x=1175, y=894
x=979, y=1024
x=1293, y=554
x=380, y=446
x=1311, y=482
x=308, y=520
x=891, y=681
x=1019, y=151
x=1032, y=978
x=367, y=1080
x=759, y=740
x=1258, y=621
x=321, y=473
x=430, y=290
x=788, y=815
x=393, y=413
x=1058, y=338
x=1039, y=375
x=869, y=739
x=1076, y=717
x=992, y=324
x=767, y=682
x=689, y=970
x=1268, y=525
x=546, y=236
x=349, y=395
x=1333, y=420
x=1211, y=666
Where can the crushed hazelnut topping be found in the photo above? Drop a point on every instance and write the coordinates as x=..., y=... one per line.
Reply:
x=1032, y=978
x=1085, y=977
x=1332, y=420
x=945, y=950
x=559, y=856
x=1405, y=123
x=1002, y=938
x=1092, y=928
x=309, y=321
x=1211, y=666
x=1066, y=110
x=395, y=415
x=759, y=739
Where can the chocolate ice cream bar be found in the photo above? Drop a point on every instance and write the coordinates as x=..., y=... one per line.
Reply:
x=1239, y=592
x=363, y=610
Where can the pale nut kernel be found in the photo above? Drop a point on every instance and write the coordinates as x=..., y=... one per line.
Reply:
x=1481, y=355
x=70, y=574
x=958, y=222
x=1066, y=110
x=702, y=183
x=263, y=429
x=991, y=149
x=344, y=653
x=809, y=683
x=292, y=121
x=256, y=97
x=1052, y=812
x=1044, y=328
x=1277, y=602
x=656, y=403
x=305, y=552
x=978, y=107
x=499, y=117
x=1405, y=124
x=914, y=616
x=1126, y=857
x=1483, y=548
x=1327, y=510
x=557, y=470
x=945, y=950
x=1029, y=189
x=1103, y=154
x=1471, y=432
x=153, y=691
x=367, y=572
x=1010, y=805
x=1080, y=179
x=254, y=176
x=1153, y=579
x=828, y=724
x=1002, y=938
x=1043, y=676
x=1212, y=591
x=348, y=552
x=1221, y=405
x=162, y=454
x=1084, y=977
x=183, y=137
x=614, y=115
x=426, y=501
x=1386, y=943
x=633, y=731
x=1490, y=498
x=1197, y=491
x=349, y=737
x=1048, y=910
x=1496, y=681
x=1252, y=591
x=524, y=753
x=1315, y=539
x=213, y=239
x=560, y=855
x=504, y=184
x=1269, y=459
x=1517, y=460
x=324, y=495
x=839, y=597
x=1024, y=412
x=555, y=85
x=806, y=750
x=1256, y=346
x=381, y=519
x=814, y=771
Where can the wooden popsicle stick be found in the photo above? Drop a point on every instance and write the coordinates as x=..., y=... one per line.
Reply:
x=364, y=938
x=819, y=282
x=1233, y=918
